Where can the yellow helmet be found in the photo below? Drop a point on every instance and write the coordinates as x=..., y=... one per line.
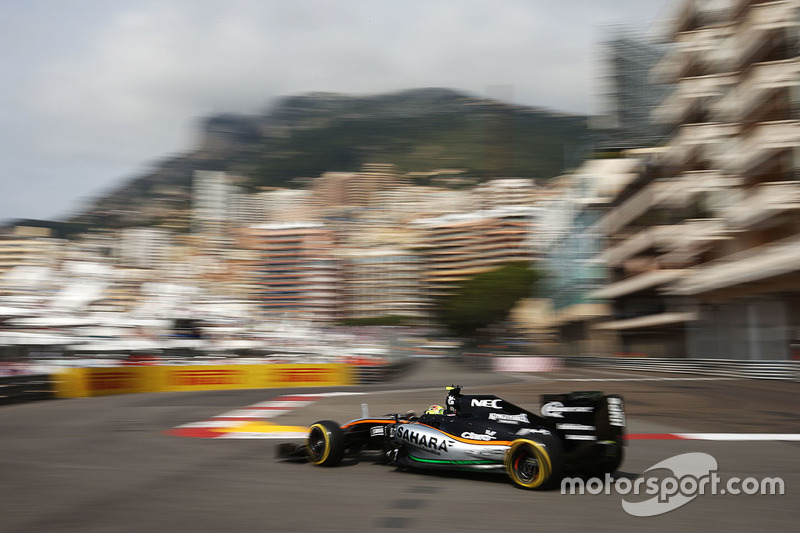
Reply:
x=435, y=410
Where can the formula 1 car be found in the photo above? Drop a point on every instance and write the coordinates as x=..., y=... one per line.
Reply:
x=579, y=434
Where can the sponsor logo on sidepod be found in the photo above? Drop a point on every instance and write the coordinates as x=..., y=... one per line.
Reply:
x=421, y=440
x=509, y=419
x=489, y=435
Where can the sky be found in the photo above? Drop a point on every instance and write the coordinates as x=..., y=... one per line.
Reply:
x=94, y=92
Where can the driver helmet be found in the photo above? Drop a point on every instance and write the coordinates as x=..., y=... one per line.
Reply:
x=435, y=410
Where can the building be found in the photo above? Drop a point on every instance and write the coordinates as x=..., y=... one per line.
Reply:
x=356, y=189
x=460, y=246
x=143, y=247
x=331, y=188
x=298, y=273
x=383, y=281
x=569, y=242
x=704, y=249
x=505, y=192
x=29, y=247
x=246, y=210
x=288, y=205
x=211, y=202
x=627, y=95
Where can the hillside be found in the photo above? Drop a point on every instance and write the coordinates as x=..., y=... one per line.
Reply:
x=303, y=136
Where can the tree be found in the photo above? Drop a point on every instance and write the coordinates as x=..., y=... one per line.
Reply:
x=486, y=299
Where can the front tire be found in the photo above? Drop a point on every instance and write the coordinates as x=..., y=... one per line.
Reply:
x=325, y=443
x=533, y=464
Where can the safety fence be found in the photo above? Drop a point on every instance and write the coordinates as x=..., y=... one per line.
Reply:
x=725, y=368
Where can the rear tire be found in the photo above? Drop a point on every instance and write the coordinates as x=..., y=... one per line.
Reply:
x=534, y=464
x=325, y=443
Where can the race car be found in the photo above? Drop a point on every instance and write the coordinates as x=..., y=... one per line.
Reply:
x=578, y=434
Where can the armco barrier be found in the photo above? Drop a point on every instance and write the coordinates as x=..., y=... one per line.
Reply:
x=478, y=361
x=25, y=388
x=728, y=368
x=366, y=374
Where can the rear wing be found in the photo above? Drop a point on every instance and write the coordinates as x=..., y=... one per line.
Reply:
x=586, y=416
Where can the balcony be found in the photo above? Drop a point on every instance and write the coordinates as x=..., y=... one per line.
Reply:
x=755, y=265
x=634, y=207
x=692, y=92
x=685, y=18
x=705, y=51
x=765, y=79
x=648, y=321
x=762, y=23
x=759, y=144
x=683, y=242
x=709, y=137
x=636, y=244
x=764, y=203
x=637, y=283
x=670, y=66
x=683, y=189
x=677, y=242
x=739, y=7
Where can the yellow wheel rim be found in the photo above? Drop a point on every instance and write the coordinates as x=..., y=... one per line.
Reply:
x=318, y=456
x=528, y=464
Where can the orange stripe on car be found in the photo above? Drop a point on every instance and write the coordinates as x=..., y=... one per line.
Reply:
x=454, y=437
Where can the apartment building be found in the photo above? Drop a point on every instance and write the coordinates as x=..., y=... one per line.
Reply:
x=330, y=189
x=401, y=205
x=505, y=191
x=287, y=205
x=143, y=247
x=246, y=210
x=383, y=281
x=298, y=274
x=356, y=189
x=212, y=194
x=29, y=247
x=704, y=248
x=460, y=246
x=370, y=180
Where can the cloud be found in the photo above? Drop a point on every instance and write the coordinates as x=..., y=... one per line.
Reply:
x=102, y=88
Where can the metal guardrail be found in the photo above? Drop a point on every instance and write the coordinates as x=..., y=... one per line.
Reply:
x=365, y=375
x=728, y=368
x=26, y=388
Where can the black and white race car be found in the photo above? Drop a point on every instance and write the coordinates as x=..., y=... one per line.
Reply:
x=579, y=434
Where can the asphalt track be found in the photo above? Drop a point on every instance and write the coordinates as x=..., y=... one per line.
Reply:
x=108, y=465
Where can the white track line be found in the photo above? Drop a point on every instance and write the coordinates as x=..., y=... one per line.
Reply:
x=646, y=379
x=741, y=437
